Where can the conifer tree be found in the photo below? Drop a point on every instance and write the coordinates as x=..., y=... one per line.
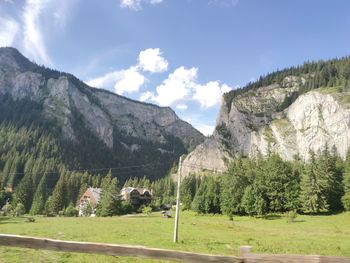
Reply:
x=23, y=193
x=58, y=198
x=108, y=205
x=346, y=183
x=233, y=185
x=330, y=178
x=188, y=191
x=40, y=196
x=313, y=194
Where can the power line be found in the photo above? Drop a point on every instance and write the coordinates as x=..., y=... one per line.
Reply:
x=96, y=169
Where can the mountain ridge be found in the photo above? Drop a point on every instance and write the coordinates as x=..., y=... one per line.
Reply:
x=288, y=112
x=131, y=131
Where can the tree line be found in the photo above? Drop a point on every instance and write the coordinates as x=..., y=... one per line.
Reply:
x=271, y=185
x=31, y=164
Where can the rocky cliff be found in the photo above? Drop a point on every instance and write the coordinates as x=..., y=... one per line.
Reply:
x=122, y=125
x=289, y=117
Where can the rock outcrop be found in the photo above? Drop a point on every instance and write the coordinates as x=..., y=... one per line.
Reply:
x=260, y=121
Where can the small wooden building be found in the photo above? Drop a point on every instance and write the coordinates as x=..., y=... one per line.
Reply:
x=92, y=197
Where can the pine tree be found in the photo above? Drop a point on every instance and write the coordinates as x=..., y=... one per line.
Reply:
x=346, y=183
x=313, y=194
x=233, y=185
x=330, y=178
x=281, y=184
x=58, y=198
x=40, y=196
x=188, y=191
x=23, y=192
x=198, y=204
x=108, y=205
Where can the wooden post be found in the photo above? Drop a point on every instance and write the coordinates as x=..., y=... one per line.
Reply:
x=176, y=226
x=245, y=252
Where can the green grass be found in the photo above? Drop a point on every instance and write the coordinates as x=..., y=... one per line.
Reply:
x=323, y=235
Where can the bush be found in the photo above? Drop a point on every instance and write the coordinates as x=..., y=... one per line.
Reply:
x=19, y=210
x=291, y=216
x=125, y=208
x=146, y=210
x=7, y=209
x=87, y=210
x=71, y=211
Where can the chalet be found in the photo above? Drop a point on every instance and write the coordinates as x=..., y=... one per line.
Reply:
x=136, y=196
x=92, y=197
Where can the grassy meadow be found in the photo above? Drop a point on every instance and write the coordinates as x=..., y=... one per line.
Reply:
x=323, y=235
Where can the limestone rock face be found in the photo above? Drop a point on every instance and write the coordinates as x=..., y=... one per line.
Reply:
x=257, y=123
x=66, y=101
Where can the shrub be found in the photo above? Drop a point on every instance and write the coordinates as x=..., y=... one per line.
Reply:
x=71, y=211
x=291, y=216
x=147, y=210
x=87, y=209
x=7, y=209
x=19, y=210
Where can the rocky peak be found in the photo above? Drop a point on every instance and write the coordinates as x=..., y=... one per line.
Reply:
x=289, y=114
x=65, y=98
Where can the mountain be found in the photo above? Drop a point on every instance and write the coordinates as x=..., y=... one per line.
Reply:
x=91, y=128
x=290, y=112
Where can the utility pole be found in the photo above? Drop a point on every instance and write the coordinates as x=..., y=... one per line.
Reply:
x=176, y=227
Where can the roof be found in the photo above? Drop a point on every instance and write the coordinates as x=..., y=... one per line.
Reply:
x=129, y=189
x=96, y=193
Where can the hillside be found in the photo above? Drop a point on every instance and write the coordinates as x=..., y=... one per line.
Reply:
x=52, y=122
x=289, y=112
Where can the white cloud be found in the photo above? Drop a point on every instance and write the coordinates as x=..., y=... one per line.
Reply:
x=26, y=32
x=181, y=106
x=210, y=94
x=177, y=86
x=131, y=4
x=182, y=85
x=131, y=81
x=33, y=42
x=137, y=4
x=123, y=81
x=8, y=31
x=151, y=60
x=146, y=96
x=205, y=129
x=105, y=80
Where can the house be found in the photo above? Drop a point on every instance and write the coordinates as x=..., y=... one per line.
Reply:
x=136, y=196
x=91, y=196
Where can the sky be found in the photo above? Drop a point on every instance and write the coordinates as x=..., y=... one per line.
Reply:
x=179, y=53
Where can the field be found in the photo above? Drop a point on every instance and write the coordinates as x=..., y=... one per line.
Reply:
x=323, y=235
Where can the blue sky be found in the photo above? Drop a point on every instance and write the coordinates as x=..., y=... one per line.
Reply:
x=178, y=53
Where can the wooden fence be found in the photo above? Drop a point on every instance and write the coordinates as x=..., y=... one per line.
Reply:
x=154, y=253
